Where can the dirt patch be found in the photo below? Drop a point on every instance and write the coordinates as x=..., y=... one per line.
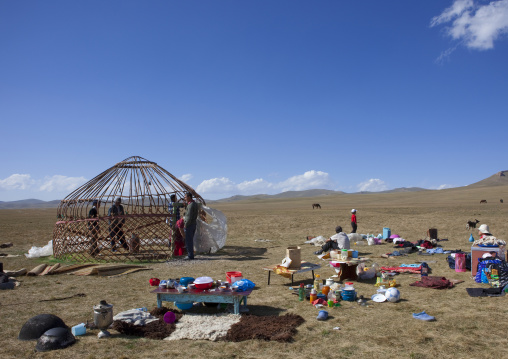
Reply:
x=278, y=328
x=268, y=328
x=154, y=330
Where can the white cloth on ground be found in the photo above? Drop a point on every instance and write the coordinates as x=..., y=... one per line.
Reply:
x=317, y=241
x=135, y=316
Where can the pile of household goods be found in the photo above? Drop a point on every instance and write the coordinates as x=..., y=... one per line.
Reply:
x=330, y=293
x=234, y=283
x=488, y=266
x=427, y=244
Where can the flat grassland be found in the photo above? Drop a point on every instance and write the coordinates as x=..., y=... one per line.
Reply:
x=465, y=326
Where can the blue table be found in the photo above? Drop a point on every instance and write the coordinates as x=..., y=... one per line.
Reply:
x=208, y=296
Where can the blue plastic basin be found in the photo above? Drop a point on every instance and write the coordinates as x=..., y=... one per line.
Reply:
x=183, y=306
x=185, y=281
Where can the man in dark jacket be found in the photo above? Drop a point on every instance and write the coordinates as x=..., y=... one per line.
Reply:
x=116, y=224
x=191, y=215
x=94, y=228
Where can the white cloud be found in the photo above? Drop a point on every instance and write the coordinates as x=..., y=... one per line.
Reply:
x=216, y=186
x=223, y=187
x=16, y=181
x=444, y=186
x=58, y=183
x=186, y=177
x=372, y=185
x=477, y=26
x=456, y=10
x=257, y=186
x=309, y=180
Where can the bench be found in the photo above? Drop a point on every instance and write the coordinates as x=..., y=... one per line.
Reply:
x=305, y=267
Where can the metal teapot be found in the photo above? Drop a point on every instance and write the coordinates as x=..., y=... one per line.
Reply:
x=103, y=318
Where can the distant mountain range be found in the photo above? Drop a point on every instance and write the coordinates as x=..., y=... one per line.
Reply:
x=498, y=179
x=29, y=203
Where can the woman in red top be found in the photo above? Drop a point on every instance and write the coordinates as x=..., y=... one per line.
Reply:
x=353, y=221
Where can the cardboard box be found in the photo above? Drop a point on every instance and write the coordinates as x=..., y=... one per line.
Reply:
x=478, y=252
x=294, y=253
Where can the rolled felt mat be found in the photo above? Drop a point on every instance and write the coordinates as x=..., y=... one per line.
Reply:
x=37, y=270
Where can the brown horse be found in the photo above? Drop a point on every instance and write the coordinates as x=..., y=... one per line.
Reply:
x=316, y=205
x=483, y=201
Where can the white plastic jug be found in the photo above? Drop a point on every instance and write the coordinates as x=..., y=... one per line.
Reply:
x=236, y=279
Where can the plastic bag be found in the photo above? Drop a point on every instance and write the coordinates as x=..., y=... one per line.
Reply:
x=355, y=237
x=317, y=241
x=210, y=237
x=243, y=285
x=36, y=252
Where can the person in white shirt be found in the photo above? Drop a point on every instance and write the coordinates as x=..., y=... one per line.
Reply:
x=339, y=240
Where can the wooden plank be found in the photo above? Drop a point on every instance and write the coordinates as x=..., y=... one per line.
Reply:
x=129, y=271
x=72, y=268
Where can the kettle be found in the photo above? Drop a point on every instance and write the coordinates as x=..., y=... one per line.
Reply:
x=103, y=318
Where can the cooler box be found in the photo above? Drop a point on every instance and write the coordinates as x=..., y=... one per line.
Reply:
x=478, y=252
x=386, y=233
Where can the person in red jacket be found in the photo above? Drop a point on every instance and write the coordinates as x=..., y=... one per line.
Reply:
x=353, y=221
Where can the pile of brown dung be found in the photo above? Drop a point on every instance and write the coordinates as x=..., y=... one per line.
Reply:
x=278, y=328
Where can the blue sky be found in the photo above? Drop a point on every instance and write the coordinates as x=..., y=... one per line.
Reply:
x=247, y=97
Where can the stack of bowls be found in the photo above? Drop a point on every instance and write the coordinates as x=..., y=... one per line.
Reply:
x=348, y=293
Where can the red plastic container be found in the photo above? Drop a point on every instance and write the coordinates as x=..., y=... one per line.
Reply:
x=232, y=274
x=204, y=285
x=460, y=262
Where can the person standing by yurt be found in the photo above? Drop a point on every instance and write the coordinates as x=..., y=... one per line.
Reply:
x=354, y=224
x=93, y=226
x=190, y=222
x=116, y=224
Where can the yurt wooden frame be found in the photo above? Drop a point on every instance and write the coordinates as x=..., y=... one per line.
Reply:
x=147, y=227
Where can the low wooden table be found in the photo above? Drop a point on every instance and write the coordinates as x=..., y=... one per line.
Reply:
x=208, y=296
x=348, y=268
x=305, y=267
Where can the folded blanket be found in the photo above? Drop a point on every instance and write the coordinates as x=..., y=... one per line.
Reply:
x=433, y=282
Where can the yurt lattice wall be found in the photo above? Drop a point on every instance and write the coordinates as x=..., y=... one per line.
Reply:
x=146, y=225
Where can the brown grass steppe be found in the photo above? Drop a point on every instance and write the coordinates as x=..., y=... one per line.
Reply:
x=465, y=326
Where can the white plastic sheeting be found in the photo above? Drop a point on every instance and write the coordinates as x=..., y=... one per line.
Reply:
x=317, y=241
x=45, y=251
x=210, y=237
